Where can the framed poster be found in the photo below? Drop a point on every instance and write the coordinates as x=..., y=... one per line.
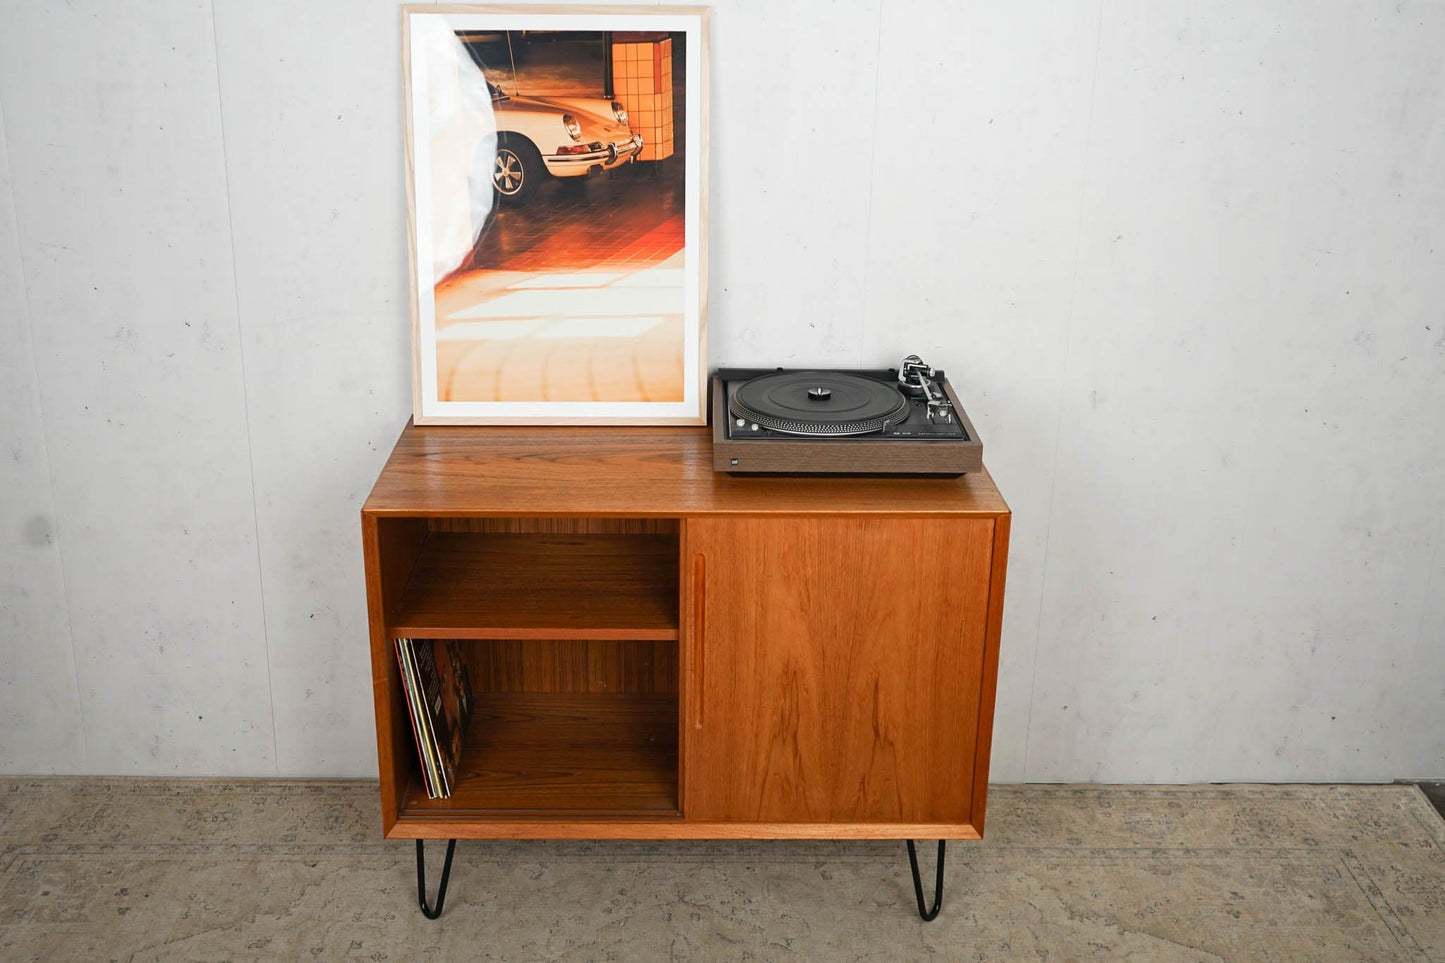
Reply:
x=556, y=185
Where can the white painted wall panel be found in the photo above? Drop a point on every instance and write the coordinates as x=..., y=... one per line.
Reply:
x=974, y=229
x=1251, y=450
x=115, y=151
x=40, y=724
x=323, y=302
x=791, y=173
x=1182, y=261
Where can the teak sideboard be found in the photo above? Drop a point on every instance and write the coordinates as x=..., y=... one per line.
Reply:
x=658, y=650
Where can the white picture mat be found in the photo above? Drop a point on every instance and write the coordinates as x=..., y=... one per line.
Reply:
x=430, y=408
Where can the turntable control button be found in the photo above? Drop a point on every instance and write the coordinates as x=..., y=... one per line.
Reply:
x=742, y=422
x=753, y=427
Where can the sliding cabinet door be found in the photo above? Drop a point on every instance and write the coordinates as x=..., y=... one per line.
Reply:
x=834, y=668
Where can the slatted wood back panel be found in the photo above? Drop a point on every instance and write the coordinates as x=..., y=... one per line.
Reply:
x=571, y=665
x=556, y=526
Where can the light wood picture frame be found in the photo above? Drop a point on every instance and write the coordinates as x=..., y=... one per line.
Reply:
x=556, y=177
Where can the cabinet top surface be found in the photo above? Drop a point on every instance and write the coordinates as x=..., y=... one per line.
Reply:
x=620, y=471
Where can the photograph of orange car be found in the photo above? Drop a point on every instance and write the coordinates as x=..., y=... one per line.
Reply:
x=557, y=225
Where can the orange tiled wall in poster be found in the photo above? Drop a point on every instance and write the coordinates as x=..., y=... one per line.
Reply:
x=642, y=81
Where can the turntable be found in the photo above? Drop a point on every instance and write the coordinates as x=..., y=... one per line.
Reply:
x=899, y=421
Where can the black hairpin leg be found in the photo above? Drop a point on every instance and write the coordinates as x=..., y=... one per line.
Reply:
x=427, y=911
x=927, y=914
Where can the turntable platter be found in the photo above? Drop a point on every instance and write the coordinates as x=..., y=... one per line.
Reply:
x=817, y=403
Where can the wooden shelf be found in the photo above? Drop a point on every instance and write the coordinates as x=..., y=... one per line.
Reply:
x=577, y=755
x=474, y=586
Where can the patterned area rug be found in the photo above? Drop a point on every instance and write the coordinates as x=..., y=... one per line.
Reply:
x=149, y=869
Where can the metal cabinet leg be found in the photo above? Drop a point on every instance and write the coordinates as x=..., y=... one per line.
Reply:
x=427, y=911
x=432, y=913
x=923, y=911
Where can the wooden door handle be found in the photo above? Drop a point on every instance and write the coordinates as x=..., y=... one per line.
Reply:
x=699, y=635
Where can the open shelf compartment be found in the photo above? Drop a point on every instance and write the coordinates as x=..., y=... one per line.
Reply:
x=472, y=585
x=578, y=755
x=568, y=628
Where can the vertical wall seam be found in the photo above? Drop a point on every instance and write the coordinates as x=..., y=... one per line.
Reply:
x=45, y=453
x=1419, y=647
x=245, y=388
x=1432, y=152
x=1063, y=383
x=872, y=162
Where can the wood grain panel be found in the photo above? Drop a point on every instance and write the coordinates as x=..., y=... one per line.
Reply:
x=842, y=674
x=637, y=472
x=572, y=665
x=988, y=682
x=443, y=825
x=390, y=547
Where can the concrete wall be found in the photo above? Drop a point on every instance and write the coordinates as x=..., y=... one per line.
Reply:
x=1184, y=261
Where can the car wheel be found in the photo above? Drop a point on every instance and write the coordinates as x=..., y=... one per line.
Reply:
x=517, y=171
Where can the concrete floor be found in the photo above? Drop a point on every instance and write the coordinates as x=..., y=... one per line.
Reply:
x=207, y=870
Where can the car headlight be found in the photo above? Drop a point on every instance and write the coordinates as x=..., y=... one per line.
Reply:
x=620, y=112
x=574, y=129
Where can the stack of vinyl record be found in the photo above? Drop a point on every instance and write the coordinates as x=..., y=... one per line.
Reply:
x=439, y=697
